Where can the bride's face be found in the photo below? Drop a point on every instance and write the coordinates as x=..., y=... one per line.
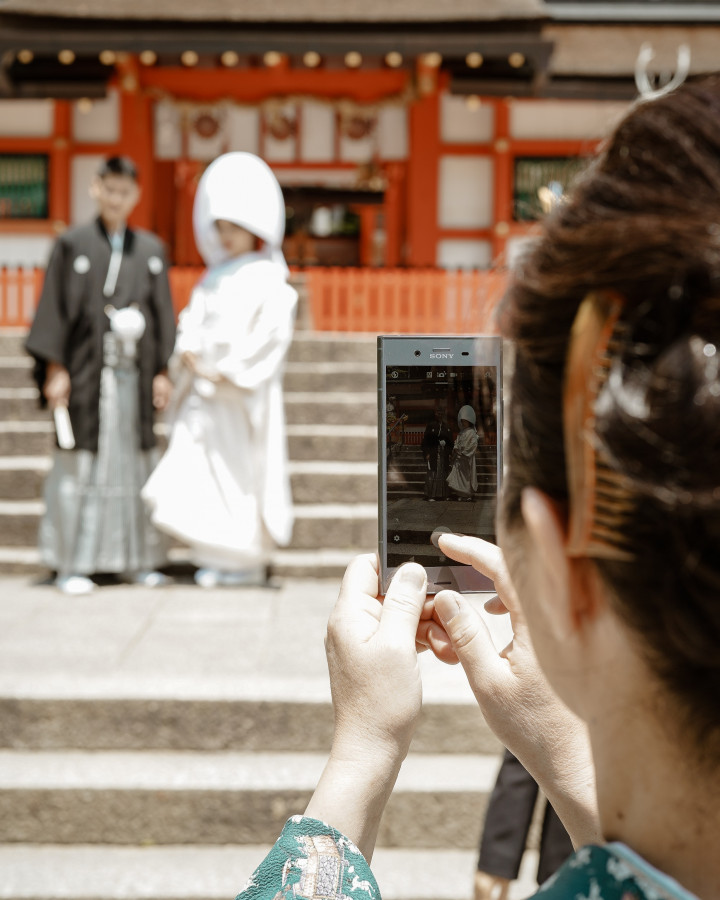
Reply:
x=235, y=240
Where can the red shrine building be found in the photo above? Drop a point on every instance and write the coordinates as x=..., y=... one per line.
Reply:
x=405, y=134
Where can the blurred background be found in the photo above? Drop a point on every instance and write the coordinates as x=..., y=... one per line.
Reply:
x=417, y=142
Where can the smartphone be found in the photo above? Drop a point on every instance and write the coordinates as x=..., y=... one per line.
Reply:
x=439, y=451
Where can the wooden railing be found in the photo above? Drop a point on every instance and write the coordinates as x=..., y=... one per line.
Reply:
x=20, y=289
x=407, y=301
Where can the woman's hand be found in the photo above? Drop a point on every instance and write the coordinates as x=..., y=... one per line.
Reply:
x=190, y=361
x=372, y=657
x=512, y=691
x=377, y=695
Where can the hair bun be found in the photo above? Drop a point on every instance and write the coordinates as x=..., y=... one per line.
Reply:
x=659, y=421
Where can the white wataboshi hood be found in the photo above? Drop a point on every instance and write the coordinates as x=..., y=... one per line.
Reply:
x=240, y=188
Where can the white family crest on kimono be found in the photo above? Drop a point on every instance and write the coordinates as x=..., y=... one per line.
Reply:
x=223, y=484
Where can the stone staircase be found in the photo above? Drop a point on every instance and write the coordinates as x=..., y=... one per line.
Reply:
x=153, y=743
x=332, y=434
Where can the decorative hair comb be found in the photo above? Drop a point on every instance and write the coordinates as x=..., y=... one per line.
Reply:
x=601, y=498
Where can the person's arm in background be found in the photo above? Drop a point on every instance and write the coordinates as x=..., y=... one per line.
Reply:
x=48, y=333
x=258, y=355
x=164, y=331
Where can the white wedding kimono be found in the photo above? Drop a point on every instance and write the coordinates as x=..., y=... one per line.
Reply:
x=463, y=474
x=223, y=486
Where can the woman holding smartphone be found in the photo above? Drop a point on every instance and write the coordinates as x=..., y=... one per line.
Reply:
x=609, y=529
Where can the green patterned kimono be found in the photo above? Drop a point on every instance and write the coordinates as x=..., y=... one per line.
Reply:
x=311, y=859
x=314, y=861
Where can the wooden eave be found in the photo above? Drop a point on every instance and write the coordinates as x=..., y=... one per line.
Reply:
x=279, y=12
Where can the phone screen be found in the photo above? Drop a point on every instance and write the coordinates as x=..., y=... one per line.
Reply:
x=442, y=459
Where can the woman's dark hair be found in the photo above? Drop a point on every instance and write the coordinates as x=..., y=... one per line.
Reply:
x=644, y=221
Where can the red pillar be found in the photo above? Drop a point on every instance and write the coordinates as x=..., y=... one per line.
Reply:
x=422, y=184
x=503, y=181
x=395, y=173
x=59, y=200
x=136, y=135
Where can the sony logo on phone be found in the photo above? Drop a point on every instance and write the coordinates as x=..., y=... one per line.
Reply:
x=441, y=355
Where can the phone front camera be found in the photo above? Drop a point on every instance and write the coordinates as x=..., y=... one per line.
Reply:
x=418, y=353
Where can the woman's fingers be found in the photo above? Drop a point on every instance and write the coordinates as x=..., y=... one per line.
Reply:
x=360, y=575
x=486, y=558
x=441, y=645
x=357, y=600
x=470, y=640
x=495, y=607
x=481, y=555
x=403, y=603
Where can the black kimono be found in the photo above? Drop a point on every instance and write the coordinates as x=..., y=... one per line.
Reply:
x=437, y=459
x=70, y=321
x=94, y=518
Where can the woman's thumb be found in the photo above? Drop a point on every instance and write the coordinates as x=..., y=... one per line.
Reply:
x=469, y=637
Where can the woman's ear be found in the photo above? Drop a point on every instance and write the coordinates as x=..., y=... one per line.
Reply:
x=571, y=589
x=551, y=568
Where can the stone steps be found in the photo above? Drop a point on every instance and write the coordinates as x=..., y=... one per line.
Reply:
x=307, y=346
x=155, y=741
x=317, y=525
x=97, y=872
x=315, y=563
x=213, y=724
x=301, y=407
x=305, y=442
x=16, y=372
x=312, y=481
x=177, y=797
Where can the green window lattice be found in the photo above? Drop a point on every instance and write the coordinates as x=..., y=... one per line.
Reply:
x=535, y=173
x=23, y=186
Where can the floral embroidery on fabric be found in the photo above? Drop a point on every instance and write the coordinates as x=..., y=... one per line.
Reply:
x=322, y=875
x=581, y=858
x=313, y=861
x=619, y=869
x=593, y=894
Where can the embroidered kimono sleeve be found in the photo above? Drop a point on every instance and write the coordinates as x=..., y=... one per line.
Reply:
x=311, y=860
x=189, y=331
x=258, y=356
x=48, y=334
x=466, y=443
x=49, y=328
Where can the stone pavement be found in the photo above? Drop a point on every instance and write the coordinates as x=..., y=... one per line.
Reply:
x=117, y=780
x=182, y=641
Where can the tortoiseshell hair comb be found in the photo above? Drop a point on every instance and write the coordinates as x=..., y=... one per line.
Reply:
x=601, y=498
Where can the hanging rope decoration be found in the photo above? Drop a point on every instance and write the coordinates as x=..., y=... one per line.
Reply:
x=206, y=124
x=357, y=127
x=281, y=123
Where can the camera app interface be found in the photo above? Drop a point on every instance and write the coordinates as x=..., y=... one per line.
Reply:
x=441, y=457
